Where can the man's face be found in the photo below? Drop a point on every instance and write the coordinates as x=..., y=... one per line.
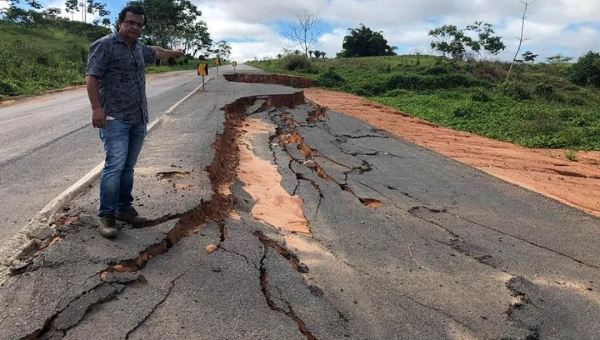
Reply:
x=131, y=27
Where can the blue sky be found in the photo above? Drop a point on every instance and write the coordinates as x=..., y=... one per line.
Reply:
x=255, y=28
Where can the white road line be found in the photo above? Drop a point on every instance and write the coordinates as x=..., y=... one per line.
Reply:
x=39, y=228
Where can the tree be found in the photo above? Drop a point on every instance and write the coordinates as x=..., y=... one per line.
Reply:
x=319, y=54
x=71, y=6
x=492, y=45
x=521, y=39
x=454, y=42
x=529, y=56
x=558, y=59
x=94, y=7
x=223, y=49
x=586, y=71
x=51, y=12
x=175, y=23
x=306, y=32
x=34, y=4
x=196, y=38
x=16, y=13
x=363, y=42
x=448, y=40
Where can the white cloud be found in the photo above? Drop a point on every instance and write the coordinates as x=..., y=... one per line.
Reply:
x=554, y=26
x=3, y=5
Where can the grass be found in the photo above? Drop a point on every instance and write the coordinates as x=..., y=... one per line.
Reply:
x=539, y=108
x=35, y=59
x=571, y=155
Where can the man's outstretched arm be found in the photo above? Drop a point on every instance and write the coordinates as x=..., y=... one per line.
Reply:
x=161, y=53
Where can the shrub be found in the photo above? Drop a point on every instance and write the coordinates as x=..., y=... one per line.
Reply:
x=294, y=62
x=487, y=70
x=515, y=91
x=547, y=92
x=573, y=137
x=361, y=92
x=586, y=71
x=398, y=93
x=567, y=115
x=544, y=90
x=437, y=70
x=543, y=125
x=375, y=87
x=480, y=95
x=466, y=111
x=577, y=101
x=331, y=79
x=432, y=82
x=8, y=89
x=571, y=155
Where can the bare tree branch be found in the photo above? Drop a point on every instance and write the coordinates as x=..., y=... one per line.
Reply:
x=306, y=32
x=527, y=3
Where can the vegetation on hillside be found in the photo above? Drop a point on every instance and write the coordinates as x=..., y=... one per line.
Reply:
x=543, y=106
x=34, y=58
x=41, y=51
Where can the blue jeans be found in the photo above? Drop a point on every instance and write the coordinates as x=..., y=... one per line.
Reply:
x=122, y=145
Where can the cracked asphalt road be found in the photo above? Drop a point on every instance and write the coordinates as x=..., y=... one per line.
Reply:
x=403, y=243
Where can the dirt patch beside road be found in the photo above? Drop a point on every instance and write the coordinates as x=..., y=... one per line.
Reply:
x=548, y=172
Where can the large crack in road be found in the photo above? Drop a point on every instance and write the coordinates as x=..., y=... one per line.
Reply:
x=222, y=174
x=314, y=168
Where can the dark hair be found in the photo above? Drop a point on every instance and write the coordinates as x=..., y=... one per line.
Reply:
x=135, y=9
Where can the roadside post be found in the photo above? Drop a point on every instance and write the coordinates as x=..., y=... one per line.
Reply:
x=202, y=71
x=234, y=65
x=217, y=63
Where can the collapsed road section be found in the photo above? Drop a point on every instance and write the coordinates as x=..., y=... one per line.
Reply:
x=297, y=222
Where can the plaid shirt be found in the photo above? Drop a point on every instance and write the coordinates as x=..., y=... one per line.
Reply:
x=121, y=72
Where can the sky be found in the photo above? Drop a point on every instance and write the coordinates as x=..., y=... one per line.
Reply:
x=255, y=28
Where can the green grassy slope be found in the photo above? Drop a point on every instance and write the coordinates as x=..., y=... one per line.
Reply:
x=34, y=59
x=38, y=58
x=538, y=108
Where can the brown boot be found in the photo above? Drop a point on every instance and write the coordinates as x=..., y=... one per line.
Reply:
x=131, y=216
x=108, y=227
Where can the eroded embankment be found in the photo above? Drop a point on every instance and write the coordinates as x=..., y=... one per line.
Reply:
x=276, y=79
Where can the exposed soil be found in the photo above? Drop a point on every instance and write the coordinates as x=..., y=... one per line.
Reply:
x=286, y=80
x=548, y=172
x=272, y=203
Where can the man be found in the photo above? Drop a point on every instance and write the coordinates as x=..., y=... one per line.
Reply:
x=116, y=87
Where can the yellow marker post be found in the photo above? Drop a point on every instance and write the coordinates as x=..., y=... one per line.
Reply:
x=202, y=71
x=217, y=62
x=234, y=65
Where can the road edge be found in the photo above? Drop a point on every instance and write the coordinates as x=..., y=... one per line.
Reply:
x=41, y=227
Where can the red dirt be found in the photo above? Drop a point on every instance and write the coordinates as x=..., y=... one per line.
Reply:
x=548, y=172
